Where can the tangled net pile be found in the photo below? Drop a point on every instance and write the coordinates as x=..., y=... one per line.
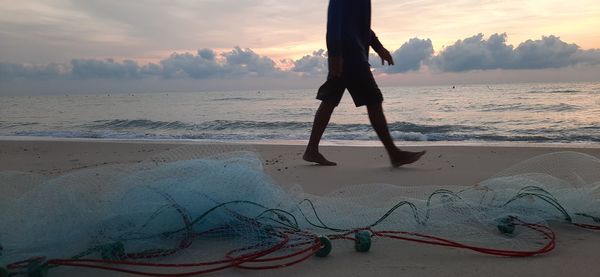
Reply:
x=185, y=212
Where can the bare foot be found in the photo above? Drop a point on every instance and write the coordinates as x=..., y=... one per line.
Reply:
x=401, y=158
x=316, y=157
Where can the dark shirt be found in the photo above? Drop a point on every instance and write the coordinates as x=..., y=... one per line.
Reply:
x=349, y=33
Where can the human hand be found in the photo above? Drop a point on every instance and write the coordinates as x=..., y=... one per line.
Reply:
x=335, y=65
x=385, y=56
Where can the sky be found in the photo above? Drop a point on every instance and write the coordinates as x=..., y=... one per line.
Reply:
x=173, y=45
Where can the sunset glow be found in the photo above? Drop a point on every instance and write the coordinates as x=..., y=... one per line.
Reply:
x=37, y=37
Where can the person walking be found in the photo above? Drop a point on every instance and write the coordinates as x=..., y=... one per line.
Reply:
x=349, y=37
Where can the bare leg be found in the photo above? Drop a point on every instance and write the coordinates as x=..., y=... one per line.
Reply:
x=397, y=156
x=321, y=120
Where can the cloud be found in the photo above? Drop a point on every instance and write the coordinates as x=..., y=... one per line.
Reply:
x=310, y=65
x=244, y=62
x=409, y=57
x=477, y=53
x=203, y=65
x=549, y=52
x=208, y=64
x=104, y=69
x=472, y=53
x=590, y=57
x=28, y=71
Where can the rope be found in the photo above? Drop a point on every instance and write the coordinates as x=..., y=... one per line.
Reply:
x=285, y=243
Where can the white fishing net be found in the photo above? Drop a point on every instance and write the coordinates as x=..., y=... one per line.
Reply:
x=211, y=208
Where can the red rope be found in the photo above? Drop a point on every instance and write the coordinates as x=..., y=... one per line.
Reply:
x=310, y=251
x=588, y=226
x=313, y=245
x=427, y=239
x=226, y=263
x=304, y=246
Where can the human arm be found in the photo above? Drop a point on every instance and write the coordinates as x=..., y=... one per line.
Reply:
x=383, y=53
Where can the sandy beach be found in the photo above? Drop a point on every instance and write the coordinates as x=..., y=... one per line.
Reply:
x=575, y=253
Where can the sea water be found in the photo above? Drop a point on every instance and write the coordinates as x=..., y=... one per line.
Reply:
x=532, y=112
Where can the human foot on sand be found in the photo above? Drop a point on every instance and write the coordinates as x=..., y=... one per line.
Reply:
x=401, y=158
x=316, y=157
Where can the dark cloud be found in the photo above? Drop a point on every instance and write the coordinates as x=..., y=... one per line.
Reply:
x=151, y=69
x=477, y=53
x=28, y=71
x=590, y=57
x=314, y=64
x=203, y=65
x=409, y=57
x=104, y=69
x=206, y=64
x=244, y=62
x=549, y=52
x=473, y=53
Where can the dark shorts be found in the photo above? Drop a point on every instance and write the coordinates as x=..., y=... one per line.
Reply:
x=359, y=82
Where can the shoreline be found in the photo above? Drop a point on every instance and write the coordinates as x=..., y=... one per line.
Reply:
x=345, y=143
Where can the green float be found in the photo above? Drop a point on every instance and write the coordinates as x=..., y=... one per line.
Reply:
x=362, y=241
x=506, y=226
x=325, y=247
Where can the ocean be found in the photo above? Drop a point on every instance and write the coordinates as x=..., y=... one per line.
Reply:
x=536, y=112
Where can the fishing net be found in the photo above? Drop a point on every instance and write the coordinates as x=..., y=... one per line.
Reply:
x=201, y=209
